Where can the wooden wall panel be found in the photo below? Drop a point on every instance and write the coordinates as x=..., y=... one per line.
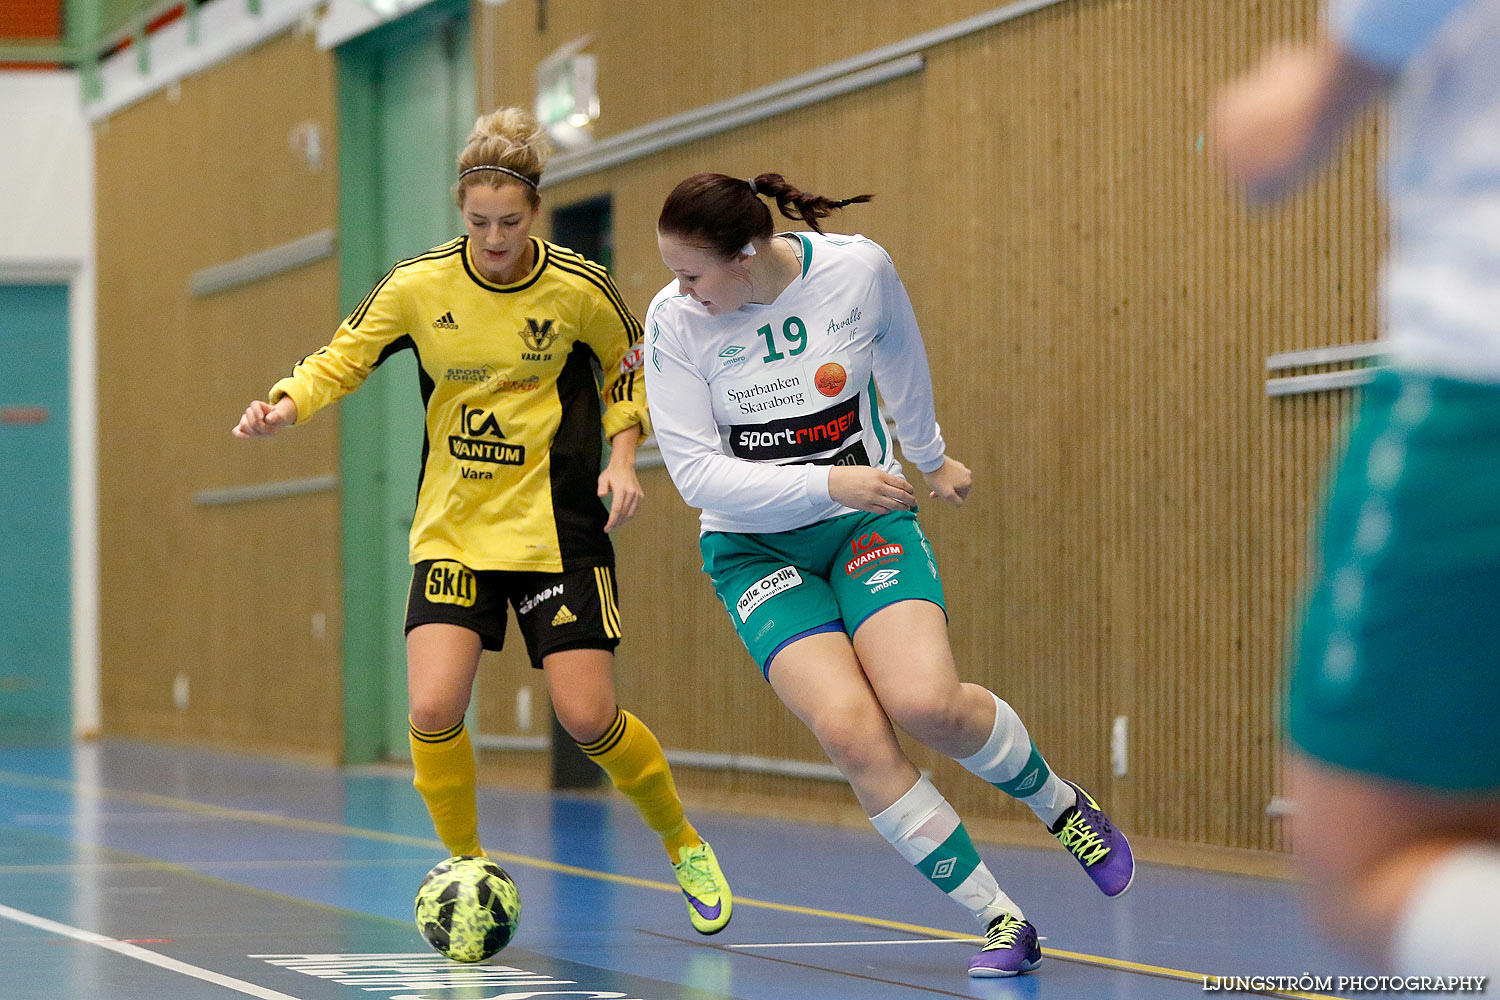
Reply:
x=1098, y=308
x=227, y=596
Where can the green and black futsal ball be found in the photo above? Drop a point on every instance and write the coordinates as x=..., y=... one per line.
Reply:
x=468, y=908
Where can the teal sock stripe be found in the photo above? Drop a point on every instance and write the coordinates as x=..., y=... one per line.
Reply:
x=1031, y=779
x=952, y=862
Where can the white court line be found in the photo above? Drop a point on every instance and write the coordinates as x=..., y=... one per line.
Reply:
x=141, y=954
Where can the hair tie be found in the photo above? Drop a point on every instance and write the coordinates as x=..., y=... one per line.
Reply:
x=753, y=189
x=504, y=170
x=748, y=249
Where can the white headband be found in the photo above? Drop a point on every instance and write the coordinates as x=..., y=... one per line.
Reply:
x=504, y=170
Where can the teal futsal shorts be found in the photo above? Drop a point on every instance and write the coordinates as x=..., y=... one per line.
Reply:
x=824, y=577
x=1397, y=669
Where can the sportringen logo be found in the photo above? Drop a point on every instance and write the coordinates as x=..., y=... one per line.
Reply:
x=500, y=384
x=797, y=437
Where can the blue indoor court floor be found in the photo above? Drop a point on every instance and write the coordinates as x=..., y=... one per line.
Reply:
x=131, y=871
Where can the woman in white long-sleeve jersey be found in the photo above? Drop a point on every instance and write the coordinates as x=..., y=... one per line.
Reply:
x=762, y=362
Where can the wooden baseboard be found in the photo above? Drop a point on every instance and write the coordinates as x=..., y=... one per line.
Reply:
x=832, y=804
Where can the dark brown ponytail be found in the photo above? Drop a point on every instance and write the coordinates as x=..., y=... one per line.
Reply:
x=723, y=213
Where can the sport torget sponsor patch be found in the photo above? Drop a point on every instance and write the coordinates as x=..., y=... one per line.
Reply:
x=870, y=550
x=469, y=373
x=765, y=588
x=797, y=437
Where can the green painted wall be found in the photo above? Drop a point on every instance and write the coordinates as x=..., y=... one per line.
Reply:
x=35, y=535
x=406, y=103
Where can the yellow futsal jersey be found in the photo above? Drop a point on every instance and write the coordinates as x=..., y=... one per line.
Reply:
x=510, y=467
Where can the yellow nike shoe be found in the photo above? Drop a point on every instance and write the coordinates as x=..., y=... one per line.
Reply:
x=709, y=901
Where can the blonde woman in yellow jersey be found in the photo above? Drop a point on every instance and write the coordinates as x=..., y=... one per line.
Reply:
x=508, y=330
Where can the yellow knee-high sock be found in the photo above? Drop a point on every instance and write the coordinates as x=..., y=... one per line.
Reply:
x=632, y=757
x=444, y=763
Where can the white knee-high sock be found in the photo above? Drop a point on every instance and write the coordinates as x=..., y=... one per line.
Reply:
x=1010, y=761
x=1451, y=925
x=923, y=827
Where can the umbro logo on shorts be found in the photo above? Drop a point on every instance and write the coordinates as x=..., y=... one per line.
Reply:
x=881, y=579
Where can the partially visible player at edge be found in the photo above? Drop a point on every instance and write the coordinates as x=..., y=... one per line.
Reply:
x=1394, y=690
x=762, y=361
x=507, y=329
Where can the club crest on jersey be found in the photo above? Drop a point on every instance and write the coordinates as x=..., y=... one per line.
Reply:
x=537, y=335
x=481, y=440
x=870, y=550
x=831, y=378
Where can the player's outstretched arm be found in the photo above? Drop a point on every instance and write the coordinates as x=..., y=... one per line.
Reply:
x=1272, y=126
x=262, y=419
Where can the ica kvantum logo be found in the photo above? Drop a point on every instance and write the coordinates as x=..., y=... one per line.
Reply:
x=482, y=441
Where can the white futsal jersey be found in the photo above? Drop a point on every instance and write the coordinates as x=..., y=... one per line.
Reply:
x=753, y=408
